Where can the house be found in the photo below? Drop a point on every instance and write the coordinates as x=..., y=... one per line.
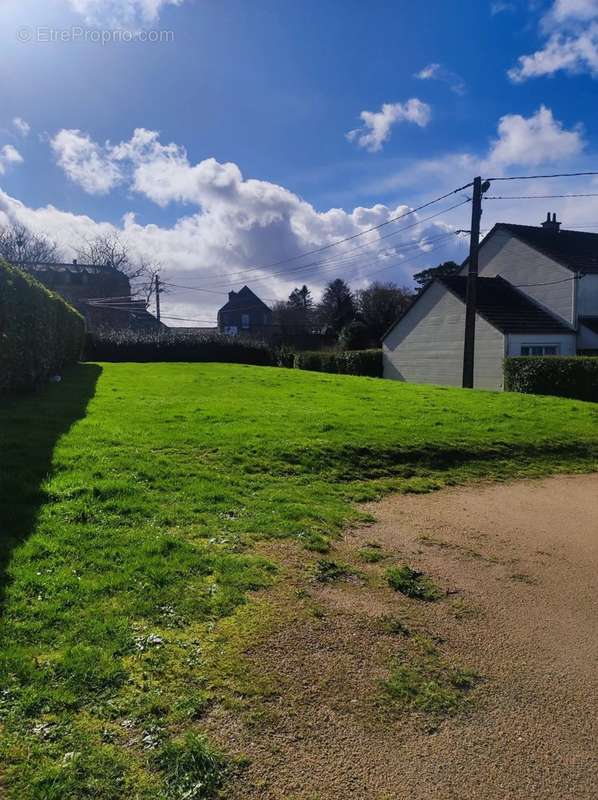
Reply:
x=537, y=295
x=246, y=314
x=101, y=293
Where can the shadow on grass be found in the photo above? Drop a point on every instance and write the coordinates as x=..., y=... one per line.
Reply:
x=30, y=427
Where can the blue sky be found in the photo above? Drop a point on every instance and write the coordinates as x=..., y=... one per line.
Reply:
x=244, y=153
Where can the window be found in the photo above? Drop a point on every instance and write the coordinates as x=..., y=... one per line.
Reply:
x=245, y=321
x=540, y=349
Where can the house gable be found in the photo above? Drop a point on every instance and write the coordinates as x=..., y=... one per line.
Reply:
x=426, y=344
x=244, y=311
x=546, y=281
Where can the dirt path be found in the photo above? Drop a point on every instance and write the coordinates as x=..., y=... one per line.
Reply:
x=519, y=563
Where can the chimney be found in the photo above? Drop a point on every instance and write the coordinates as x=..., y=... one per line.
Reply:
x=231, y=295
x=551, y=224
x=74, y=262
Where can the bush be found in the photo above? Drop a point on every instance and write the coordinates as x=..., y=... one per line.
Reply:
x=162, y=345
x=355, y=336
x=575, y=377
x=350, y=362
x=39, y=332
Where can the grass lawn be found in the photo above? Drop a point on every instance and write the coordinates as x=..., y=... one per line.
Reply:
x=131, y=499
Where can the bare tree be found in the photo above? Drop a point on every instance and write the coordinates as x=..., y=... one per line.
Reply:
x=111, y=250
x=19, y=245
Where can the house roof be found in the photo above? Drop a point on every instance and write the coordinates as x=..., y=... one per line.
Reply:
x=243, y=300
x=590, y=322
x=505, y=307
x=576, y=250
x=73, y=266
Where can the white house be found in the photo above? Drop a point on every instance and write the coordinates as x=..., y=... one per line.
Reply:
x=537, y=295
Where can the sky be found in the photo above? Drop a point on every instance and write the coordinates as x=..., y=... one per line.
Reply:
x=225, y=139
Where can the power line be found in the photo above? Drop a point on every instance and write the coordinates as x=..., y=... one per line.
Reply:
x=343, y=257
x=356, y=235
x=193, y=288
x=190, y=319
x=548, y=283
x=537, y=196
x=534, y=177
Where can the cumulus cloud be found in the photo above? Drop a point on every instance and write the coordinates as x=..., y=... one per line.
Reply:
x=121, y=13
x=234, y=228
x=9, y=156
x=377, y=125
x=533, y=140
x=520, y=143
x=436, y=72
x=571, y=31
x=85, y=162
x=22, y=127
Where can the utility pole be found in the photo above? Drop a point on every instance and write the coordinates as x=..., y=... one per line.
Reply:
x=158, y=298
x=472, y=282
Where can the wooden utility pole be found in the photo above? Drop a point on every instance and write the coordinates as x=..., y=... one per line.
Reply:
x=158, y=298
x=472, y=282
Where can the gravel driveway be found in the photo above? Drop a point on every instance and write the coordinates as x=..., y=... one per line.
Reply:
x=519, y=562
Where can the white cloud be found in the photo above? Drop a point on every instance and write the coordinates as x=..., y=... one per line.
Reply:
x=9, y=155
x=573, y=9
x=436, y=72
x=571, y=28
x=377, y=124
x=501, y=6
x=121, y=13
x=22, y=127
x=234, y=224
x=534, y=140
x=85, y=162
x=520, y=142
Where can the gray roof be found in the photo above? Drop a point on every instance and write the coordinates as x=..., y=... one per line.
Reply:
x=576, y=250
x=505, y=307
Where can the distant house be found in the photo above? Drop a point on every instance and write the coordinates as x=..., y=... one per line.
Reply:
x=245, y=313
x=101, y=293
x=537, y=295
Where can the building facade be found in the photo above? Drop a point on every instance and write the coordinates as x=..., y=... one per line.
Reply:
x=537, y=295
x=102, y=294
x=245, y=314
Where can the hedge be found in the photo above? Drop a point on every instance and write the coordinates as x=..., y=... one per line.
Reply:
x=163, y=345
x=575, y=377
x=39, y=332
x=349, y=362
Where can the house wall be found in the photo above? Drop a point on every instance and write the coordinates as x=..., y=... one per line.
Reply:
x=426, y=346
x=566, y=341
x=260, y=320
x=587, y=339
x=587, y=296
x=519, y=263
x=79, y=286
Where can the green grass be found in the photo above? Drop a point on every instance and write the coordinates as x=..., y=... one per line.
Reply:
x=422, y=680
x=412, y=583
x=330, y=571
x=131, y=497
x=372, y=553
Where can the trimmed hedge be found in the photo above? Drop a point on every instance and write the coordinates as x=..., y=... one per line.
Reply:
x=349, y=362
x=39, y=332
x=162, y=345
x=575, y=377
